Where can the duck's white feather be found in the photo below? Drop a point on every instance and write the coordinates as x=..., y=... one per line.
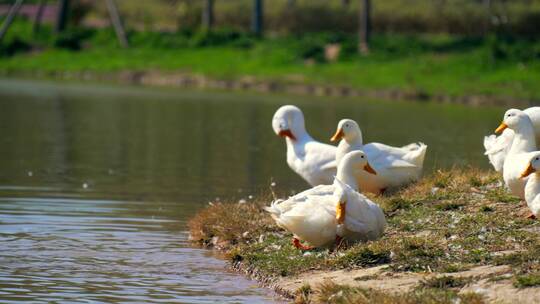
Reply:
x=517, y=159
x=312, y=160
x=497, y=147
x=311, y=215
x=532, y=193
x=394, y=166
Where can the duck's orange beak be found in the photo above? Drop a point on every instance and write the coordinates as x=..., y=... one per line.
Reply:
x=530, y=169
x=287, y=133
x=501, y=127
x=368, y=168
x=339, y=135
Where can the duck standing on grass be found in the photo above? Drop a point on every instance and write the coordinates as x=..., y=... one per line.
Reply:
x=532, y=188
x=312, y=160
x=523, y=143
x=497, y=147
x=395, y=166
x=326, y=214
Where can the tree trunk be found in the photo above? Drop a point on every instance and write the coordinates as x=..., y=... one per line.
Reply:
x=208, y=14
x=37, y=18
x=13, y=10
x=62, y=17
x=257, y=22
x=117, y=23
x=487, y=20
x=365, y=27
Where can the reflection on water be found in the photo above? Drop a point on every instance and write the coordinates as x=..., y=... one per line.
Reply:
x=97, y=182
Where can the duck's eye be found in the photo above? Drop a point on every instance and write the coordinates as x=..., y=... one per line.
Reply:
x=536, y=158
x=362, y=156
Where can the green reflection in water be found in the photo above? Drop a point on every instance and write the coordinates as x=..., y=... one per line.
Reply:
x=193, y=146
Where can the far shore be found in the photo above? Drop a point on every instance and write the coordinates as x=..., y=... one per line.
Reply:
x=158, y=78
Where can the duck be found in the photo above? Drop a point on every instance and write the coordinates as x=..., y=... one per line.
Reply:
x=328, y=214
x=497, y=147
x=532, y=188
x=312, y=160
x=517, y=158
x=395, y=166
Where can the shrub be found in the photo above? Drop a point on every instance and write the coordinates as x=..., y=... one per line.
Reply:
x=14, y=46
x=72, y=39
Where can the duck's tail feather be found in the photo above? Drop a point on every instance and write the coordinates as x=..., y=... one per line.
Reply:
x=497, y=148
x=273, y=209
x=416, y=154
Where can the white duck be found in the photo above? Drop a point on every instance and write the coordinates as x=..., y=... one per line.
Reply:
x=395, y=166
x=312, y=160
x=532, y=188
x=517, y=159
x=327, y=213
x=497, y=147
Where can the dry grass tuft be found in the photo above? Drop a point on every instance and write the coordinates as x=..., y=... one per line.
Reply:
x=226, y=224
x=339, y=294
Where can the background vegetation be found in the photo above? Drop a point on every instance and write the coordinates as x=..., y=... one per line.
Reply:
x=453, y=48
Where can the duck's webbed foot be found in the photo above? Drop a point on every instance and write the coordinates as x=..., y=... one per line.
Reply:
x=298, y=245
x=531, y=216
x=339, y=239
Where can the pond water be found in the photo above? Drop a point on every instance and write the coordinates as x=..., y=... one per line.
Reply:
x=97, y=182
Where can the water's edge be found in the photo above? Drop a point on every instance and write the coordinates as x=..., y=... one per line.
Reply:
x=250, y=83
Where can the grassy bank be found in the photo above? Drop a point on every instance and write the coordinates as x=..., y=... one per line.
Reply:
x=447, y=234
x=425, y=66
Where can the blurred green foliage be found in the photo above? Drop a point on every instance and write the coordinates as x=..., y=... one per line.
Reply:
x=496, y=64
x=463, y=17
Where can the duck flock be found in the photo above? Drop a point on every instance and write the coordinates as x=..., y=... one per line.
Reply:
x=335, y=209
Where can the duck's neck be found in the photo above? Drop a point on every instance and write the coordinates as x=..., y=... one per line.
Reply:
x=301, y=136
x=355, y=139
x=524, y=138
x=346, y=175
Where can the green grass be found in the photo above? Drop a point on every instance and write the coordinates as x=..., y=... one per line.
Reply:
x=527, y=280
x=428, y=64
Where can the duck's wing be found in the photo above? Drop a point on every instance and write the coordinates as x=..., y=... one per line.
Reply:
x=497, y=148
x=317, y=190
x=321, y=155
x=383, y=156
x=362, y=217
x=535, y=205
x=281, y=206
x=534, y=115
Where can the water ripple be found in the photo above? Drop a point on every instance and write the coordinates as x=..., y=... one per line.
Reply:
x=83, y=251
